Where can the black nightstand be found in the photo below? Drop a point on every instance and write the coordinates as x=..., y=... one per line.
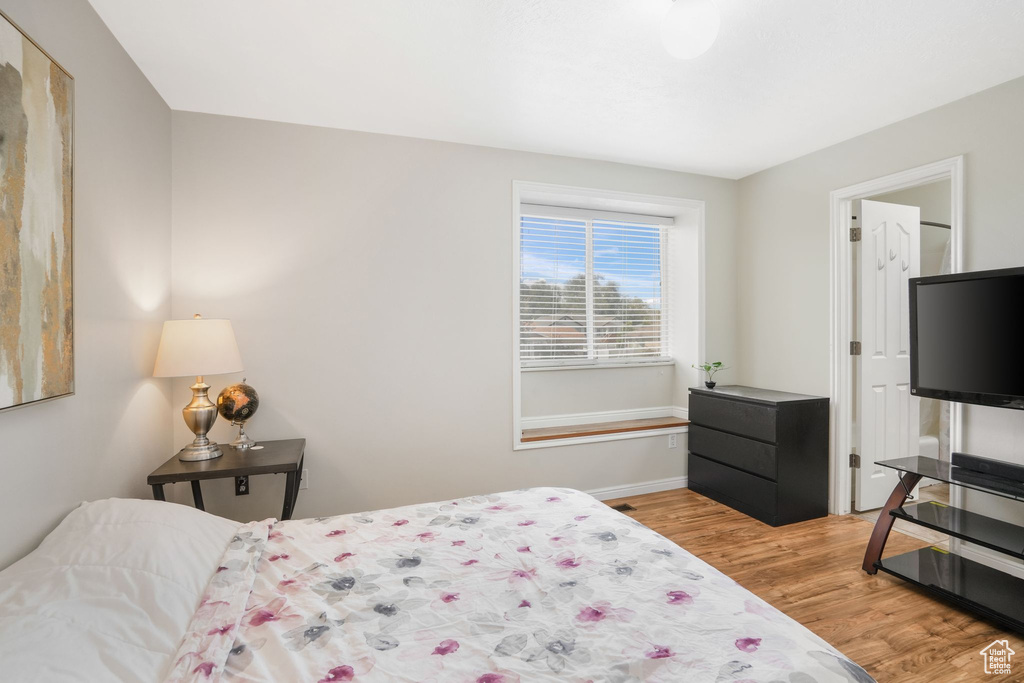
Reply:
x=274, y=458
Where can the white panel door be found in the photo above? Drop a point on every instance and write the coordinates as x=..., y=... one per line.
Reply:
x=888, y=416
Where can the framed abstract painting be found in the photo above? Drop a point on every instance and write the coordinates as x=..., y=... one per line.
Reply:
x=36, y=258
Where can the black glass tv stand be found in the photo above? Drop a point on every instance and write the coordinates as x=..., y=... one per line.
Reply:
x=992, y=593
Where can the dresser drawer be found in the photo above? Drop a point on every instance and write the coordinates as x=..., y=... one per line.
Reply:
x=748, y=455
x=751, y=495
x=737, y=417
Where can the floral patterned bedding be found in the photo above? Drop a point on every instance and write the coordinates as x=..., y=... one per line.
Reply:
x=536, y=585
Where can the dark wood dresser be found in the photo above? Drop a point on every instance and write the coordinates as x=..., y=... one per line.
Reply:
x=762, y=452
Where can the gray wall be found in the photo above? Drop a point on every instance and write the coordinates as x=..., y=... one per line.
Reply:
x=289, y=230
x=102, y=441
x=783, y=238
x=783, y=233
x=307, y=237
x=595, y=390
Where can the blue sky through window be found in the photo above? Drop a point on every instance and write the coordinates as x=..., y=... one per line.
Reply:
x=554, y=250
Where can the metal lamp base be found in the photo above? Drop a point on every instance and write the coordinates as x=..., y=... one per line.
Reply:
x=194, y=453
x=200, y=415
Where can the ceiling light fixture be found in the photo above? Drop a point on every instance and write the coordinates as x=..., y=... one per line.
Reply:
x=690, y=28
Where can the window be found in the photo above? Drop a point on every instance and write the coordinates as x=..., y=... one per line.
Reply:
x=601, y=279
x=591, y=287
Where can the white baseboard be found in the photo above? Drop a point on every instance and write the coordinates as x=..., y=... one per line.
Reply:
x=1000, y=562
x=602, y=416
x=611, y=492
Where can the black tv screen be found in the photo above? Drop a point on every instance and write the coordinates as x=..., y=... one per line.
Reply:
x=966, y=341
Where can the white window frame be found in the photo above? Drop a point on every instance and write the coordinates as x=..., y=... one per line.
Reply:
x=629, y=206
x=589, y=216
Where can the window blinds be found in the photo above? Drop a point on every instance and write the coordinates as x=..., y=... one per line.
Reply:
x=591, y=289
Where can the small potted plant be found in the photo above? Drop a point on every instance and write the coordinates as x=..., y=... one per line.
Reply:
x=710, y=369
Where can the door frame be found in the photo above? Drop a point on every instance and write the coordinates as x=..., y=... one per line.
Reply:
x=841, y=309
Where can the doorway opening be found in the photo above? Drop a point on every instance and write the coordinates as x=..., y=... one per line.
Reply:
x=903, y=234
x=929, y=233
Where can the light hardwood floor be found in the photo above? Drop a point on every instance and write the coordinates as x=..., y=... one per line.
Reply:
x=811, y=571
x=938, y=492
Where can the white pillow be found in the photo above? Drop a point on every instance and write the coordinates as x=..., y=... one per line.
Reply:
x=109, y=593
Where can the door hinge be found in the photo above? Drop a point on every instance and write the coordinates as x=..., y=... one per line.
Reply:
x=854, y=348
x=855, y=234
x=854, y=461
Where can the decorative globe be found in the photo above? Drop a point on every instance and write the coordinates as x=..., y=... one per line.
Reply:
x=238, y=402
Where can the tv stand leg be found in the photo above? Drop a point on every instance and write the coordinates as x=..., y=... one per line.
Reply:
x=884, y=524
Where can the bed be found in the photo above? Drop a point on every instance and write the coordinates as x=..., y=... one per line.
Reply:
x=542, y=584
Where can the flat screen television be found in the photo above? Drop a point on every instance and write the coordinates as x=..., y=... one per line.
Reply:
x=967, y=337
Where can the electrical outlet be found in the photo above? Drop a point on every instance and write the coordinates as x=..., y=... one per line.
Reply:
x=673, y=440
x=304, y=484
x=242, y=486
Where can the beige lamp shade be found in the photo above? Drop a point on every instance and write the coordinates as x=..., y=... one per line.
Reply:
x=197, y=347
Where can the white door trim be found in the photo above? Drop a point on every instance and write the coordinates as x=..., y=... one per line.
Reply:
x=841, y=292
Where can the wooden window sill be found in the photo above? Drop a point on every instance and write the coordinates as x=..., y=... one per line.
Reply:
x=601, y=428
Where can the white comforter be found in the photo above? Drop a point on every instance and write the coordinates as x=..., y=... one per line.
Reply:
x=537, y=585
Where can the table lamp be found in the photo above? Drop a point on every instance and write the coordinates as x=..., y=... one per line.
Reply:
x=198, y=347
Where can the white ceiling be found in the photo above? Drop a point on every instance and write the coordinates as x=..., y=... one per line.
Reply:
x=585, y=78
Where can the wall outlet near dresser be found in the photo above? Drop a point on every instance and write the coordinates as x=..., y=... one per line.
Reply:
x=304, y=484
